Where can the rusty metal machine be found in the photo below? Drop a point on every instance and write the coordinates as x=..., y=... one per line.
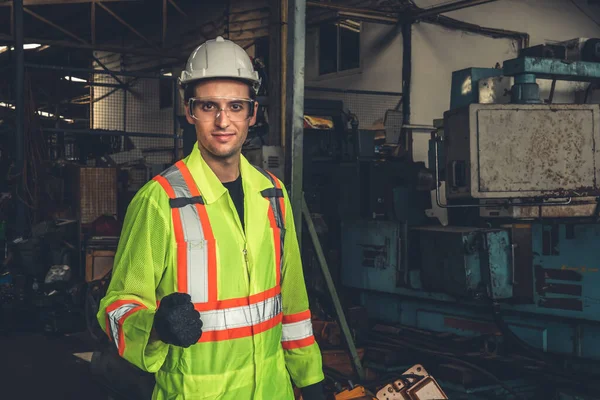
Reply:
x=507, y=252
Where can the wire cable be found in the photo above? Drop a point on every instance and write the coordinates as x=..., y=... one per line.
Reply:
x=585, y=13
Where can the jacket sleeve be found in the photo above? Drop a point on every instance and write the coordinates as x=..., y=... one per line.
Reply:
x=126, y=313
x=302, y=353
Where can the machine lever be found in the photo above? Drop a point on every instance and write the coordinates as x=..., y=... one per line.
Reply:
x=512, y=251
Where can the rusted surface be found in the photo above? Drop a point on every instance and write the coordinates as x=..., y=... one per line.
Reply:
x=535, y=149
x=579, y=207
x=527, y=151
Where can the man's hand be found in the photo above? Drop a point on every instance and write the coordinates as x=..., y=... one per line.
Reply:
x=176, y=321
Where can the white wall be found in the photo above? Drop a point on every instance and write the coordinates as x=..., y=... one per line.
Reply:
x=437, y=52
x=384, y=63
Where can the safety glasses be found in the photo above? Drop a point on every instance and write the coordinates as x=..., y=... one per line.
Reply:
x=205, y=109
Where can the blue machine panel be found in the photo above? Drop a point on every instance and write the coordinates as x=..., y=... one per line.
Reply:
x=567, y=271
x=371, y=254
x=562, y=318
x=465, y=262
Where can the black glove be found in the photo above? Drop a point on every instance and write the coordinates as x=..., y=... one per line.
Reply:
x=176, y=321
x=313, y=392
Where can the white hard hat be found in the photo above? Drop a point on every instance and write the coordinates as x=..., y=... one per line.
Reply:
x=220, y=58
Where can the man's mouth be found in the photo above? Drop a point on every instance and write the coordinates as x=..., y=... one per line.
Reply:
x=223, y=134
x=223, y=137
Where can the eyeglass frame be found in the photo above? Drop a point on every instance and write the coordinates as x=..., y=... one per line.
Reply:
x=219, y=110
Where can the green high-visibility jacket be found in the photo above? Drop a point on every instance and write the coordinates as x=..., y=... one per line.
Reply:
x=182, y=233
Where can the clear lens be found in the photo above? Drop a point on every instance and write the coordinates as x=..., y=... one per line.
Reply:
x=208, y=109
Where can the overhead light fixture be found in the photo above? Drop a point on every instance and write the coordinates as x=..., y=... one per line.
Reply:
x=75, y=79
x=7, y=105
x=167, y=74
x=26, y=46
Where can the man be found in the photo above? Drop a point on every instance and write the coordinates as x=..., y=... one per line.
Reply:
x=207, y=288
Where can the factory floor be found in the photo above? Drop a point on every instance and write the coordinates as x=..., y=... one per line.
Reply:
x=35, y=366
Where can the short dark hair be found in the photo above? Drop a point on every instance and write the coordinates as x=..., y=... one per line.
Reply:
x=189, y=90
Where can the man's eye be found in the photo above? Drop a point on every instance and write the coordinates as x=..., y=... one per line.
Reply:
x=207, y=106
x=236, y=107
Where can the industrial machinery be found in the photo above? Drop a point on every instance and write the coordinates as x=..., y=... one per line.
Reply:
x=513, y=264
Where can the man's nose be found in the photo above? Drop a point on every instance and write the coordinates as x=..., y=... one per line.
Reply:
x=222, y=119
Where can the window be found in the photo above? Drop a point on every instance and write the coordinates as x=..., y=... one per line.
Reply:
x=339, y=46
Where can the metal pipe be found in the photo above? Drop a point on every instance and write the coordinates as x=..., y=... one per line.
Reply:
x=351, y=91
x=296, y=40
x=21, y=217
x=452, y=23
x=108, y=132
x=175, y=121
x=418, y=127
x=458, y=5
x=406, y=81
x=332, y=291
x=275, y=75
x=283, y=108
x=339, y=7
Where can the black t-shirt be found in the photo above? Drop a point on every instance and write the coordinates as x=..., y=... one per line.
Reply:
x=237, y=195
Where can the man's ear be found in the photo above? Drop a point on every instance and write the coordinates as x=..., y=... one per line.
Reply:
x=188, y=116
x=253, y=118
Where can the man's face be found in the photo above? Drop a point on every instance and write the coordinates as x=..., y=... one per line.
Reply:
x=220, y=137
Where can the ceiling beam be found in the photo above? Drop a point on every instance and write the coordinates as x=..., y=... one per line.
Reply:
x=6, y=3
x=179, y=10
x=164, y=23
x=339, y=7
x=457, y=5
x=4, y=38
x=125, y=24
x=52, y=24
x=93, y=21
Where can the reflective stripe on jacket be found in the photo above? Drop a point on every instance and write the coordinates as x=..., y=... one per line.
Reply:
x=182, y=233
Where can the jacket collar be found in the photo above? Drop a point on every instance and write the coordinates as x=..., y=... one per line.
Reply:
x=209, y=185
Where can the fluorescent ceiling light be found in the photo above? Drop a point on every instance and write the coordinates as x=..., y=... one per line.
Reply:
x=168, y=74
x=75, y=79
x=7, y=105
x=26, y=46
